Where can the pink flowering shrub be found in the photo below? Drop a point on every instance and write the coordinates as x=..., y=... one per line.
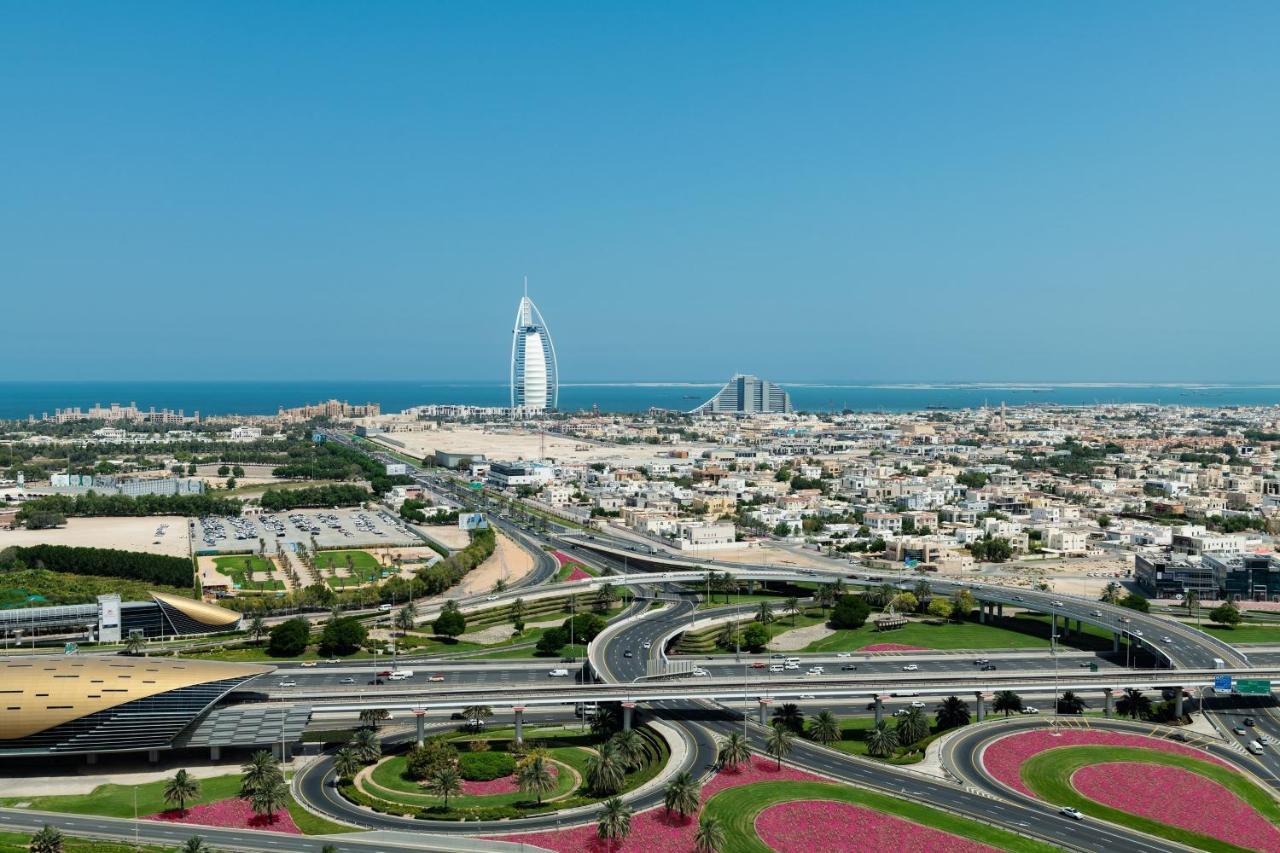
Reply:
x=1003, y=759
x=501, y=785
x=577, y=575
x=1177, y=797
x=891, y=647
x=230, y=814
x=823, y=826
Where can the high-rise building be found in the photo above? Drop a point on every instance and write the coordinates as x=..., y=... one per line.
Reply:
x=747, y=395
x=535, y=378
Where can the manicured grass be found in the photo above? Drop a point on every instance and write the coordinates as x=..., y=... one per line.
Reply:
x=853, y=740
x=364, y=567
x=745, y=598
x=736, y=809
x=1019, y=632
x=18, y=842
x=239, y=566
x=577, y=650
x=311, y=824
x=1049, y=776
x=117, y=800
x=568, y=569
x=1241, y=633
x=390, y=775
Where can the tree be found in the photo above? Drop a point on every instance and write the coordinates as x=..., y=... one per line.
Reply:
x=825, y=728
x=47, y=840
x=445, y=782
x=881, y=740
x=755, y=636
x=912, y=726
x=710, y=836
x=1070, y=703
x=366, y=744
x=224, y=470
x=923, y=592
x=516, y=612
x=372, y=717
x=136, y=644
x=606, y=771
x=733, y=750
x=952, y=712
x=534, y=776
x=1225, y=614
x=940, y=608
x=779, y=742
x=257, y=628
x=764, y=613
x=630, y=746
x=434, y=752
x=791, y=606
x=1133, y=601
x=195, y=844
x=342, y=636
x=476, y=713
x=1112, y=593
x=289, y=639
x=1104, y=521
x=782, y=529
x=260, y=772
x=450, y=623
x=551, y=642
x=1008, y=702
x=789, y=716
x=614, y=823
x=606, y=595
x=682, y=794
x=905, y=602
x=606, y=721
x=1134, y=704
x=346, y=763
x=404, y=618
x=180, y=788
x=270, y=798
x=850, y=611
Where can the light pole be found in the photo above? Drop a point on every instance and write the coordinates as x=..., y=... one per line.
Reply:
x=1053, y=652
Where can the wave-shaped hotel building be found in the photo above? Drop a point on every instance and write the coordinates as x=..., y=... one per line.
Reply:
x=535, y=377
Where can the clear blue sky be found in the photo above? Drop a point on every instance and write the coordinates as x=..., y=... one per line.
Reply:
x=846, y=190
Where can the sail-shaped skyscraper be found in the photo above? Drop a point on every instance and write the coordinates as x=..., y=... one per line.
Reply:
x=535, y=378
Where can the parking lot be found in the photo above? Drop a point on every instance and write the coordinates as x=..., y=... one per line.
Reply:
x=322, y=528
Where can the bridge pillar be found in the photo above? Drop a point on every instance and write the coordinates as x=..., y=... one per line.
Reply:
x=982, y=613
x=1115, y=643
x=879, y=709
x=1177, y=702
x=982, y=705
x=1079, y=627
x=519, y=723
x=215, y=753
x=764, y=711
x=1106, y=701
x=628, y=710
x=91, y=758
x=153, y=755
x=1000, y=610
x=420, y=721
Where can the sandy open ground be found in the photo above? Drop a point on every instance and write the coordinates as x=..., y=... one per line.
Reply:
x=517, y=444
x=127, y=534
x=509, y=562
x=450, y=536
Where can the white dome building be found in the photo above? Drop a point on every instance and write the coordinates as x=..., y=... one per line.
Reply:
x=535, y=378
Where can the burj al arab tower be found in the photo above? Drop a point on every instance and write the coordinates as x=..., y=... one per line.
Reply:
x=535, y=378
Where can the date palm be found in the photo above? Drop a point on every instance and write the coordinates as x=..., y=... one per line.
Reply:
x=614, y=823
x=257, y=628
x=195, y=844
x=825, y=728
x=261, y=771
x=882, y=740
x=269, y=799
x=1070, y=703
x=792, y=607
x=682, y=794
x=734, y=750
x=346, y=763
x=1134, y=704
x=606, y=771
x=789, y=714
x=779, y=742
x=764, y=613
x=710, y=836
x=630, y=746
x=47, y=840
x=367, y=746
x=534, y=776
x=404, y=619
x=953, y=712
x=135, y=644
x=373, y=716
x=1008, y=702
x=912, y=726
x=445, y=781
x=180, y=788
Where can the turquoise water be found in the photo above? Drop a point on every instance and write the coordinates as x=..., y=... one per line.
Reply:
x=19, y=399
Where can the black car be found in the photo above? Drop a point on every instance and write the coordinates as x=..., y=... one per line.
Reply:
x=1248, y=721
x=627, y=653
x=989, y=667
x=849, y=667
x=376, y=681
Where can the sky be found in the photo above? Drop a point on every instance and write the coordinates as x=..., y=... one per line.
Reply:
x=866, y=191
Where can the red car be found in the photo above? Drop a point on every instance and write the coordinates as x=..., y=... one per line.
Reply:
x=436, y=677
x=384, y=673
x=758, y=665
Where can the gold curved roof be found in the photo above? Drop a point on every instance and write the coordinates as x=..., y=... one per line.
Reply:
x=206, y=614
x=39, y=692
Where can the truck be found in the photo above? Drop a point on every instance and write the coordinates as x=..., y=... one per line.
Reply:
x=1219, y=663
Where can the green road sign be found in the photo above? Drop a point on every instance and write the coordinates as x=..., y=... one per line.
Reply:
x=1253, y=686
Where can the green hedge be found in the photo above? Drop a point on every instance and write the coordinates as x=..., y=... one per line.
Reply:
x=485, y=766
x=94, y=504
x=102, y=562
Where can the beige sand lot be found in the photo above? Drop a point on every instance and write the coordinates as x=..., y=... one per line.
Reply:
x=509, y=562
x=447, y=535
x=515, y=444
x=127, y=534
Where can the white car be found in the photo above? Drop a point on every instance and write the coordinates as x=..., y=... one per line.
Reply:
x=699, y=672
x=1166, y=639
x=558, y=673
x=807, y=696
x=1074, y=814
x=1096, y=613
x=308, y=663
x=844, y=654
x=1030, y=710
x=791, y=666
x=648, y=644
x=917, y=704
x=911, y=667
x=777, y=667
x=816, y=670
x=288, y=683
x=1057, y=604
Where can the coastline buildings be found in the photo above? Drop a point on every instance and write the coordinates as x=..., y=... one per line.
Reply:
x=535, y=377
x=747, y=395
x=116, y=413
x=334, y=409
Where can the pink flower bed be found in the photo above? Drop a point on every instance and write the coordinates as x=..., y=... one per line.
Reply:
x=501, y=785
x=564, y=560
x=1003, y=759
x=229, y=814
x=577, y=575
x=823, y=826
x=1178, y=798
x=891, y=647
x=652, y=831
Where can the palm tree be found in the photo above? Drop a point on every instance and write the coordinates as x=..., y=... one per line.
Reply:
x=734, y=750
x=883, y=594
x=270, y=799
x=257, y=628
x=373, y=716
x=445, y=781
x=533, y=776
x=261, y=771
x=825, y=728
x=614, y=823
x=135, y=644
x=682, y=794
x=778, y=742
x=1112, y=593
x=606, y=595
x=606, y=771
x=499, y=585
x=605, y=722
x=792, y=607
x=912, y=726
x=952, y=712
x=404, y=618
x=710, y=836
x=881, y=740
x=1070, y=703
x=517, y=610
x=195, y=844
x=1007, y=701
x=923, y=592
x=789, y=714
x=630, y=746
x=47, y=840
x=182, y=787
x=347, y=763
x=1134, y=704
x=367, y=746
x=476, y=713
x=764, y=613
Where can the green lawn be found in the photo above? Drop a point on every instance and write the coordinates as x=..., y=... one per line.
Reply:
x=239, y=566
x=1017, y=632
x=853, y=734
x=744, y=598
x=737, y=808
x=18, y=842
x=567, y=569
x=364, y=567
x=1049, y=776
x=1241, y=633
x=390, y=775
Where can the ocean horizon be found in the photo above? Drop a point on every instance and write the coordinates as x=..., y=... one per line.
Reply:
x=19, y=399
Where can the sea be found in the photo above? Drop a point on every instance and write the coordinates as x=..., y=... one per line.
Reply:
x=20, y=399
